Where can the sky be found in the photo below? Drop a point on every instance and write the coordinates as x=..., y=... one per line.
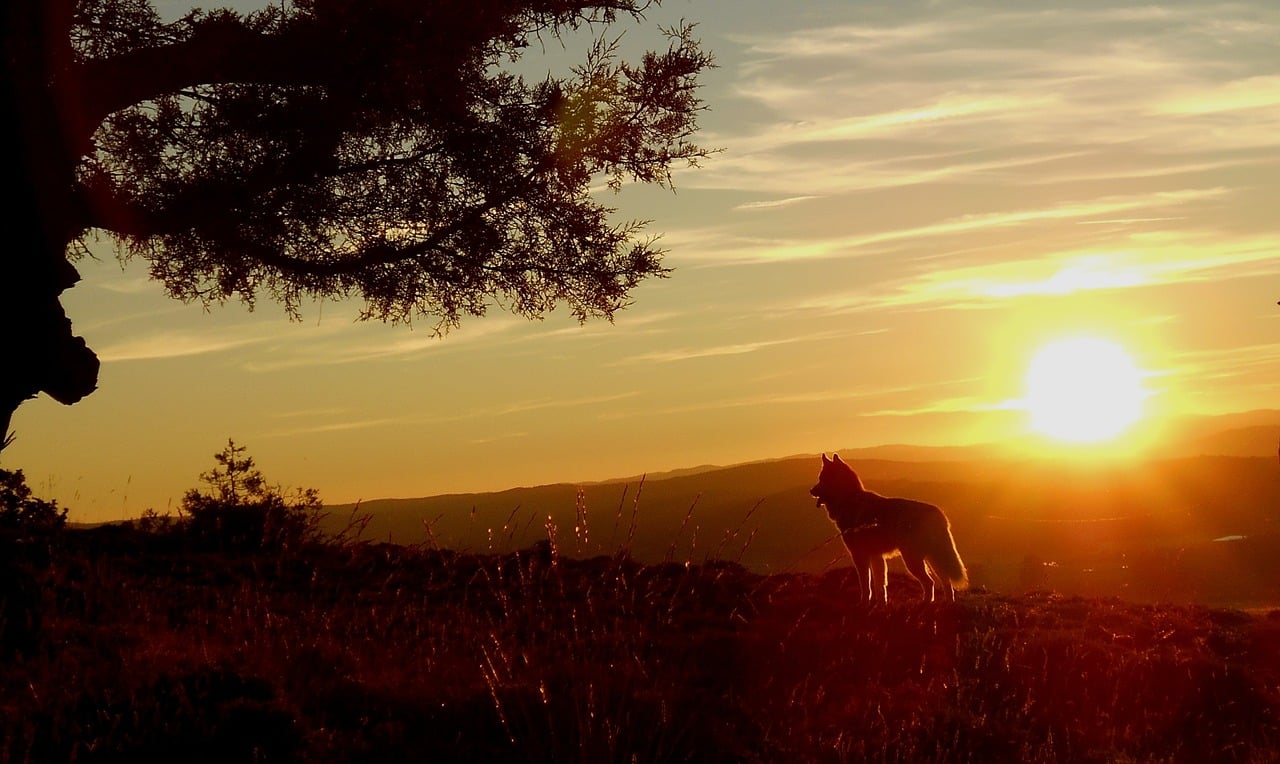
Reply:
x=912, y=199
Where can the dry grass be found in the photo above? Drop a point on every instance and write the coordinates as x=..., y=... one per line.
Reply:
x=356, y=652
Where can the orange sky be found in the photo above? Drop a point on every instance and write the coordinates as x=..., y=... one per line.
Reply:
x=912, y=200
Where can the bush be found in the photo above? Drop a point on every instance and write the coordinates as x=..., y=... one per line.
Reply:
x=23, y=561
x=21, y=511
x=240, y=511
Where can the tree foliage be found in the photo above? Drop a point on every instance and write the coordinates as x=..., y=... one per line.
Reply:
x=380, y=150
x=21, y=510
x=240, y=511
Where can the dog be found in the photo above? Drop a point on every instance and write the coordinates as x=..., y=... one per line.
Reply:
x=875, y=528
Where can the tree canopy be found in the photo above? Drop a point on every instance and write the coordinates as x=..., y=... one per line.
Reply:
x=382, y=150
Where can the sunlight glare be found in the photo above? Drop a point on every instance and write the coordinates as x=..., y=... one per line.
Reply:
x=1083, y=390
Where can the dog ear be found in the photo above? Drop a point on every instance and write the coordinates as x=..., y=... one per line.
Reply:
x=836, y=458
x=825, y=460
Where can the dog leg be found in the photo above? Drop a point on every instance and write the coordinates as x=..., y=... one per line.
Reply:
x=879, y=581
x=866, y=590
x=917, y=568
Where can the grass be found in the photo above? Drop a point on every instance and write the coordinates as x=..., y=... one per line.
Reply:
x=125, y=646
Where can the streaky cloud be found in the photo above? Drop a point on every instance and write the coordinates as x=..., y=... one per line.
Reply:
x=864, y=243
x=360, y=424
x=1147, y=262
x=951, y=406
x=689, y=353
x=172, y=344
x=774, y=203
x=390, y=344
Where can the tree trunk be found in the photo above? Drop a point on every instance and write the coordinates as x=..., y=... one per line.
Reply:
x=41, y=146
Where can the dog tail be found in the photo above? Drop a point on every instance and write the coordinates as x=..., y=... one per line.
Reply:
x=949, y=562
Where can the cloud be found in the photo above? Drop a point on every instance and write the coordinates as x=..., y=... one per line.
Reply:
x=360, y=424
x=626, y=324
x=1150, y=261
x=774, y=203
x=952, y=406
x=1156, y=87
x=368, y=342
x=171, y=344
x=688, y=353
x=1250, y=93
x=130, y=285
x=518, y=407
x=730, y=349
x=1230, y=362
x=868, y=242
x=542, y=404
x=307, y=413
x=797, y=398
x=829, y=173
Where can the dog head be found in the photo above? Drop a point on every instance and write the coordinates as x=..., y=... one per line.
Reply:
x=837, y=480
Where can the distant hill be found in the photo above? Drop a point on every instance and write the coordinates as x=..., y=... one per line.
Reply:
x=1018, y=521
x=1256, y=440
x=1249, y=433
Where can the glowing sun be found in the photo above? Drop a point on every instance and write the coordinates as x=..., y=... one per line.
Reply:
x=1083, y=390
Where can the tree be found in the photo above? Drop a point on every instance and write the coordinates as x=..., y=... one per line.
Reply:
x=373, y=149
x=240, y=511
x=21, y=511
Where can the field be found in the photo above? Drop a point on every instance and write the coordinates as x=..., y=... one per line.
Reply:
x=128, y=646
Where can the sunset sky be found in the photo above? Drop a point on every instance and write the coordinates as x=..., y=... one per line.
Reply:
x=912, y=200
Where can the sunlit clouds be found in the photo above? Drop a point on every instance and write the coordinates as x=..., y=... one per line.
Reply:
x=1026, y=85
x=1193, y=260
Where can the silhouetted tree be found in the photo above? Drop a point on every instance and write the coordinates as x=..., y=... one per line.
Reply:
x=21, y=510
x=23, y=563
x=240, y=511
x=324, y=148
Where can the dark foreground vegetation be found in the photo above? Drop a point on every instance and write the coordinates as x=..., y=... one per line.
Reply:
x=156, y=643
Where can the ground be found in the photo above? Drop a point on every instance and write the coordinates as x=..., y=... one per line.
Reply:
x=122, y=645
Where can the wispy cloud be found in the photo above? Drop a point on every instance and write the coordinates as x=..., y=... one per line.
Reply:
x=1222, y=363
x=626, y=325
x=129, y=285
x=368, y=343
x=951, y=406
x=171, y=344
x=1249, y=93
x=770, y=204
x=307, y=413
x=1084, y=210
x=361, y=424
x=1149, y=261
x=543, y=404
x=1186, y=86
x=797, y=398
x=418, y=420
x=689, y=353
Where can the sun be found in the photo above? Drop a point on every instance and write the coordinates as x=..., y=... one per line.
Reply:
x=1083, y=390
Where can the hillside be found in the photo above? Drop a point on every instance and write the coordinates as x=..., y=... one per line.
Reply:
x=1143, y=529
x=119, y=645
